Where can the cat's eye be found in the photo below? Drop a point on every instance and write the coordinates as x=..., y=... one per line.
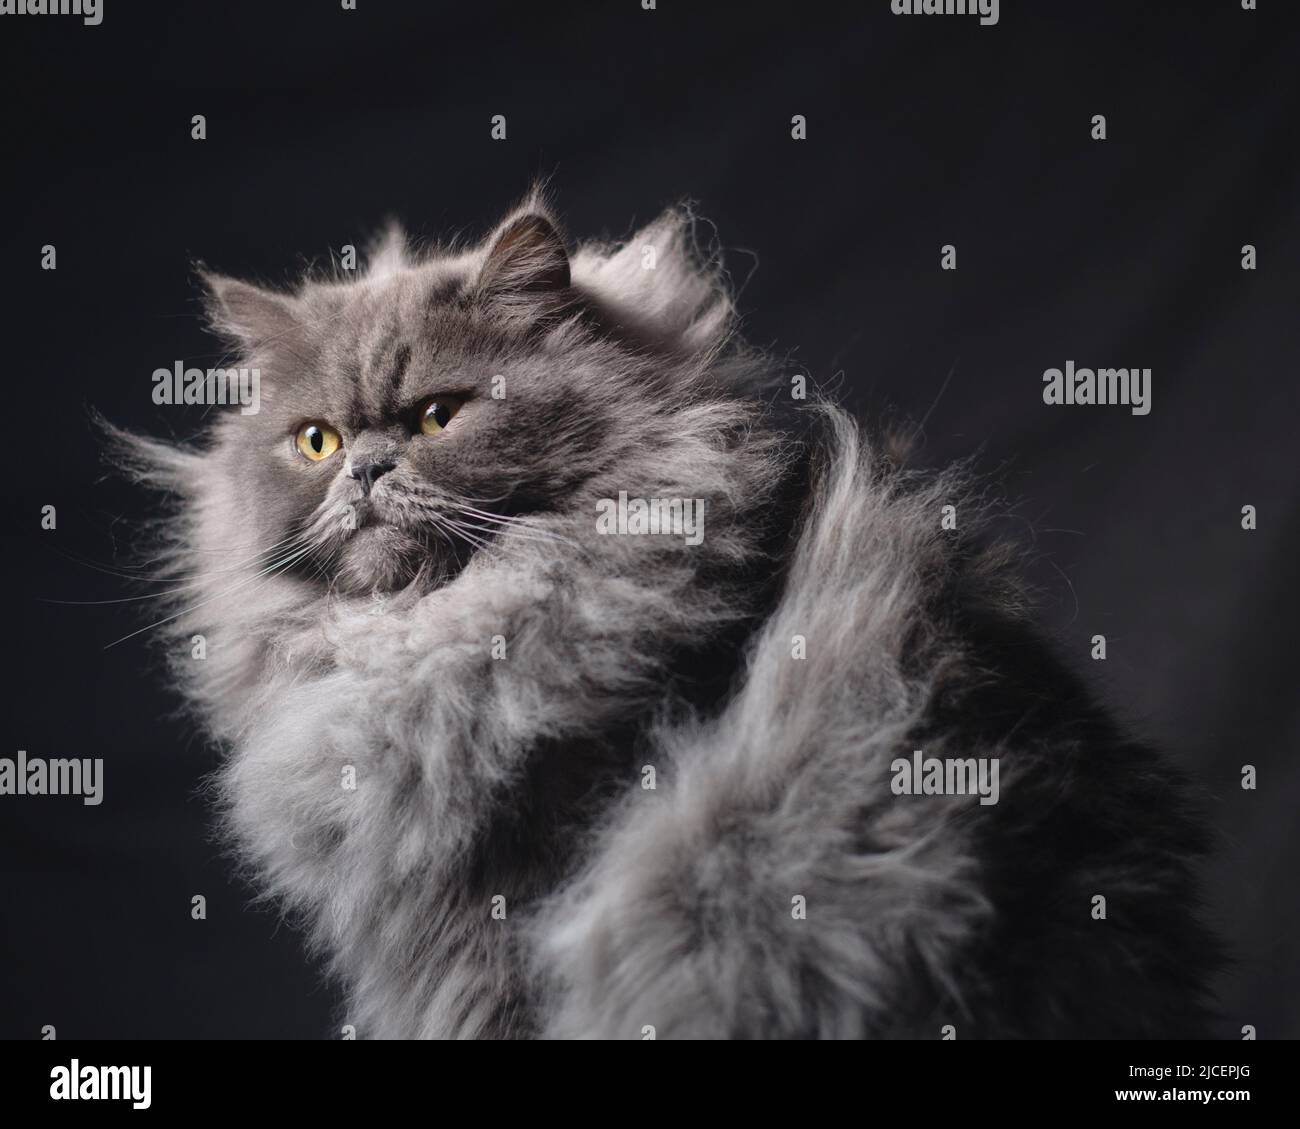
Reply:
x=435, y=414
x=318, y=441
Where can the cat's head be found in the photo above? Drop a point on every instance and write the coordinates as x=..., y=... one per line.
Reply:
x=407, y=413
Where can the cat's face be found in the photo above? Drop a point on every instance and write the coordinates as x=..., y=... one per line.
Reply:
x=406, y=417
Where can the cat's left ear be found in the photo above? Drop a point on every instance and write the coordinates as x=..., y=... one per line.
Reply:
x=526, y=262
x=248, y=314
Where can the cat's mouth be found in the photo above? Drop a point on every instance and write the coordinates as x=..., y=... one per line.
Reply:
x=391, y=548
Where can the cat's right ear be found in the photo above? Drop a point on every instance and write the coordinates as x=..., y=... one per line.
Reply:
x=526, y=268
x=247, y=314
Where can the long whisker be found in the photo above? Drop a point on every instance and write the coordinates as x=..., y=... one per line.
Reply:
x=441, y=530
x=177, y=578
x=289, y=544
x=512, y=526
x=277, y=566
x=472, y=534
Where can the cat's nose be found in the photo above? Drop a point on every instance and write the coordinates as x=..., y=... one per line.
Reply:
x=370, y=472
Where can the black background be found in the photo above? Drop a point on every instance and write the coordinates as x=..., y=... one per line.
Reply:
x=922, y=131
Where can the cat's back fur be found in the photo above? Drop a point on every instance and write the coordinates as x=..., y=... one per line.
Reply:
x=447, y=783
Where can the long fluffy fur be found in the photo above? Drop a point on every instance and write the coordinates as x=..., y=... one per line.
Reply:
x=626, y=908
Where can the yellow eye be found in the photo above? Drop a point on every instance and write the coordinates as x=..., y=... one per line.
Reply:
x=318, y=441
x=437, y=413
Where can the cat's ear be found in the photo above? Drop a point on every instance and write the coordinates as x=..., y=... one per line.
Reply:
x=526, y=262
x=387, y=252
x=246, y=313
x=685, y=301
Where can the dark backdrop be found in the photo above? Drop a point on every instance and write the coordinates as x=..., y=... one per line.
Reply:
x=922, y=131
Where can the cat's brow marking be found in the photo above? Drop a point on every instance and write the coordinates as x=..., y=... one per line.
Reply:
x=382, y=376
x=401, y=361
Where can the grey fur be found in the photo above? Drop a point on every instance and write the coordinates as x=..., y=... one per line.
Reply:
x=479, y=776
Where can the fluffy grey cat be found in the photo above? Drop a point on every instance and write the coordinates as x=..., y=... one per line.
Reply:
x=525, y=769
